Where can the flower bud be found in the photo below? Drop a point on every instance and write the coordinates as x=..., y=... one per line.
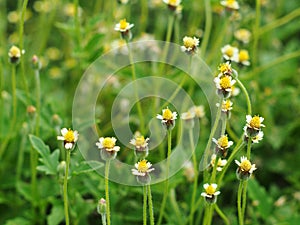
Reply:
x=101, y=207
x=36, y=63
x=31, y=110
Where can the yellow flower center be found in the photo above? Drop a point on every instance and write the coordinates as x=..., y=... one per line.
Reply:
x=255, y=122
x=69, y=136
x=108, y=143
x=224, y=67
x=229, y=51
x=139, y=141
x=230, y=2
x=245, y=165
x=173, y=2
x=142, y=166
x=189, y=42
x=223, y=141
x=225, y=82
x=14, y=51
x=123, y=24
x=226, y=105
x=243, y=55
x=167, y=114
x=210, y=190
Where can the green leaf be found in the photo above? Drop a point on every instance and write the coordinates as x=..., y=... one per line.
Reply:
x=56, y=216
x=49, y=160
x=17, y=221
x=259, y=194
x=86, y=167
x=25, y=190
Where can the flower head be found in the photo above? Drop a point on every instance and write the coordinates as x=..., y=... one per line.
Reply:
x=243, y=35
x=222, y=145
x=221, y=162
x=108, y=147
x=123, y=26
x=143, y=168
x=14, y=54
x=172, y=4
x=141, y=145
x=190, y=45
x=243, y=57
x=229, y=52
x=167, y=118
x=224, y=85
x=198, y=111
x=69, y=137
x=188, y=119
x=254, y=122
x=210, y=193
x=245, y=168
x=230, y=4
x=226, y=105
x=225, y=68
x=255, y=138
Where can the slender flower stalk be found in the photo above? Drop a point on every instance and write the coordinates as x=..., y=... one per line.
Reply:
x=239, y=203
x=166, y=188
x=150, y=205
x=191, y=217
x=65, y=188
x=221, y=214
x=107, y=165
x=145, y=205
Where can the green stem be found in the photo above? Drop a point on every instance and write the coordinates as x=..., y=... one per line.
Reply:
x=221, y=214
x=244, y=202
x=175, y=206
x=166, y=188
x=21, y=34
x=195, y=184
x=249, y=108
x=210, y=214
x=256, y=34
x=38, y=102
x=214, y=172
x=65, y=187
x=145, y=206
x=249, y=148
x=212, y=133
x=150, y=205
x=239, y=203
x=138, y=103
x=103, y=218
x=208, y=25
x=107, y=164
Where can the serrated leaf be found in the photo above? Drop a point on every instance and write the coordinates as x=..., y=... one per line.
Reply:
x=258, y=193
x=50, y=160
x=56, y=216
x=86, y=167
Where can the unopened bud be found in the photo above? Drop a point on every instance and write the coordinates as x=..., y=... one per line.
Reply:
x=31, y=110
x=101, y=207
x=36, y=63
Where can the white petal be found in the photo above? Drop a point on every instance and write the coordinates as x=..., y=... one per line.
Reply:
x=205, y=186
x=214, y=186
x=69, y=145
x=64, y=131
x=61, y=138
x=237, y=162
x=248, y=118
x=159, y=117
x=217, y=193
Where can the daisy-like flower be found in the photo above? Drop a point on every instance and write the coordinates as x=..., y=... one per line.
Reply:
x=108, y=148
x=14, y=54
x=243, y=57
x=255, y=139
x=188, y=119
x=235, y=91
x=190, y=45
x=224, y=85
x=230, y=4
x=254, y=125
x=167, y=118
x=141, y=145
x=225, y=68
x=243, y=35
x=222, y=145
x=245, y=168
x=210, y=193
x=221, y=162
x=229, y=52
x=69, y=137
x=226, y=106
x=143, y=168
x=124, y=27
x=198, y=111
x=172, y=4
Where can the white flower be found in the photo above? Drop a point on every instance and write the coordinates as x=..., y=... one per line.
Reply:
x=142, y=168
x=173, y=3
x=210, y=190
x=254, y=122
x=226, y=105
x=108, y=144
x=229, y=52
x=224, y=83
x=245, y=165
x=198, y=111
x=69, y=137
x=221, y=162
x=190, y=44
x=123, y=26
x=230, y=4
x=243, y=35
x=223, y=142
x=139, y=142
